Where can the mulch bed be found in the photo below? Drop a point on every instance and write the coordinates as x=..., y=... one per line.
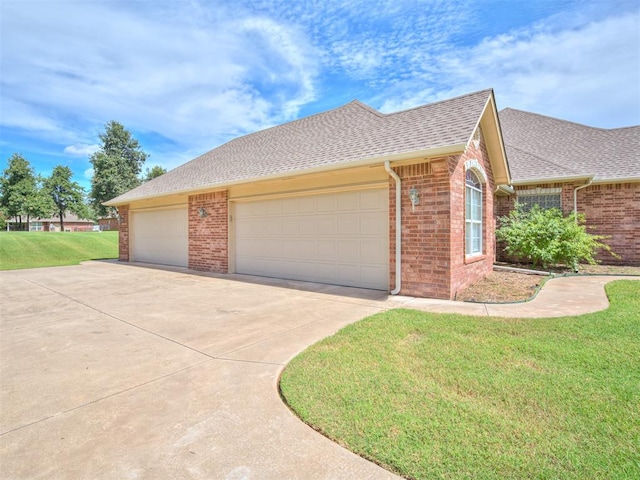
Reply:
x=504, y=287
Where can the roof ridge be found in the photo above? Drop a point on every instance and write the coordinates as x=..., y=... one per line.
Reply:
x=446, y=100
x=561, y=120
x=369, y=108
x=295, y=120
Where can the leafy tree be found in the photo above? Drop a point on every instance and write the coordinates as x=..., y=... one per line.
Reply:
x=66, y=194
x=546, y=237
x=153, y=172
x=116, y=166
x=20, y=193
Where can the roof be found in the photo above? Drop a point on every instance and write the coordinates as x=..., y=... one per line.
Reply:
x=68, y=218
x=337, y=138
x=540, y=147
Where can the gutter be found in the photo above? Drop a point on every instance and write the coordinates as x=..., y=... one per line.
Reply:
x=508, y=189
x=575, y=196
x=551, y=180
x=395, y=176
x=617, y=180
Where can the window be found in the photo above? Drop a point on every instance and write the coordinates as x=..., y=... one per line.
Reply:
x=473, y=214
x=545, y=198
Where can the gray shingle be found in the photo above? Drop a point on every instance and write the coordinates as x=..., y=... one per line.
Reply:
x=337, y=137
x=540, y=147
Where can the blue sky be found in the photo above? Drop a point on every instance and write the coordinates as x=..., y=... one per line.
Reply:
x=186, y=76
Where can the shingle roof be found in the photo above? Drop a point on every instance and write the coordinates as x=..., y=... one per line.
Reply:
x=540, y=147
x=350, y=133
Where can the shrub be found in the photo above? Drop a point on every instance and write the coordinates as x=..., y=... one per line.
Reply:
x=546, y=237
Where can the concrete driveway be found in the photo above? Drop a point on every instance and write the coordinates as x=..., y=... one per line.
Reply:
x=119, y=371
x=112, y=370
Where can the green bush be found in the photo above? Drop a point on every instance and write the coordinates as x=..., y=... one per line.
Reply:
x=546, y=237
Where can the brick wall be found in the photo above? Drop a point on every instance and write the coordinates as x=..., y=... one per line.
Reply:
x=123, y=234
x=208, y=236
x=425, y=232
x=465, y=271
x=612, y=210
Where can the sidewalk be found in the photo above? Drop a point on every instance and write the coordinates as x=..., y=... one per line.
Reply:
x=559, y=297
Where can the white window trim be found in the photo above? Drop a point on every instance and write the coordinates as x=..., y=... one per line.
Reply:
x=482, y=178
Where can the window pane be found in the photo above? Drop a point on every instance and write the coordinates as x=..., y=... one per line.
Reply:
x=545, y=201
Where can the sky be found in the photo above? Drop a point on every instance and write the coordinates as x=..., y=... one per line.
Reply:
x=184, y=76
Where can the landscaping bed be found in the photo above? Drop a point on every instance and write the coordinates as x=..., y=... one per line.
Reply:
x=506, y=286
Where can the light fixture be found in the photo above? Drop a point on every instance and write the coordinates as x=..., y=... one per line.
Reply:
x=414, y=196
x=202, y=212
x=477, y=135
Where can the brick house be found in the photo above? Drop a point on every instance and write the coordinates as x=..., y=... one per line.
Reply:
x=72, y=223
x=351, y=196
x=556, y=163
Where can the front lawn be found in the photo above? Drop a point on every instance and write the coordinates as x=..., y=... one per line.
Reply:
x=48, y=249
x=449, y=396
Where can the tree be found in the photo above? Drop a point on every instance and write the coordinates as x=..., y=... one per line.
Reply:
x=154, y=172
x=546, y=237
x=65, y=194
x=116, y=166
x=20, y=193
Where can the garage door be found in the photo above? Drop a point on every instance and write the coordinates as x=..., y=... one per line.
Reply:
x=160, y=236
x=339, y=238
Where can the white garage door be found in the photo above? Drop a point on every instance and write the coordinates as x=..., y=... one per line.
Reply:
x=338, y=238
x=160, y=236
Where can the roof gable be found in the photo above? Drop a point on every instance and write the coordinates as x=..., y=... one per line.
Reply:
x=338, y=138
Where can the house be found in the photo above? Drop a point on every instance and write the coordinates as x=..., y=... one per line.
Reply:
x=351, y=196
x=108, y=223
x=72, y=223
x=594, y=171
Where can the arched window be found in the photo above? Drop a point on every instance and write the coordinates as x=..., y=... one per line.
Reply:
x=473, y=214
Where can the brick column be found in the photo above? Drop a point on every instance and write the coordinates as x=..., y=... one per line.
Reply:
x=123, y=233
x=209, y=235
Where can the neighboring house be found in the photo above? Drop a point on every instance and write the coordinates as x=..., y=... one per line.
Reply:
x=71, y=224
x=108, y=223
x=315, y=200
x=556, y=163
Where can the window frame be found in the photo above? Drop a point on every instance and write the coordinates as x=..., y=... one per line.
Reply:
x=473, y=214
x=523, y=195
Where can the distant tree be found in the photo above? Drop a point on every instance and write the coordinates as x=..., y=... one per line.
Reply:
x=20, y=192
x=153, y=172
x=116, y=166
x=66, y=195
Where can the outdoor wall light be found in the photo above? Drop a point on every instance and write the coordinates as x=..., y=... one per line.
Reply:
x=414, y=196
x=202, y=212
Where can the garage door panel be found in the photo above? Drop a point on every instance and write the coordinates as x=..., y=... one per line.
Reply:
x=339, y=238
x=161, y=237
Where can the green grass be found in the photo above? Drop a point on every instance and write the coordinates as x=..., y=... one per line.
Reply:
x=48, y=249
x=451, y=396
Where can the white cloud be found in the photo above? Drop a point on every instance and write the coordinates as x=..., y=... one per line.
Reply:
x=191, y=78
x=81, y=150
x=582, y=74
x=88, y=173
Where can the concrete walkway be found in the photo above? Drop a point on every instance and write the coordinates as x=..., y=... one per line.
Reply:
x=111, y=370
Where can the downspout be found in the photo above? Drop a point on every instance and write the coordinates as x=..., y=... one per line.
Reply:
x=575, y=197
x=395, y=176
